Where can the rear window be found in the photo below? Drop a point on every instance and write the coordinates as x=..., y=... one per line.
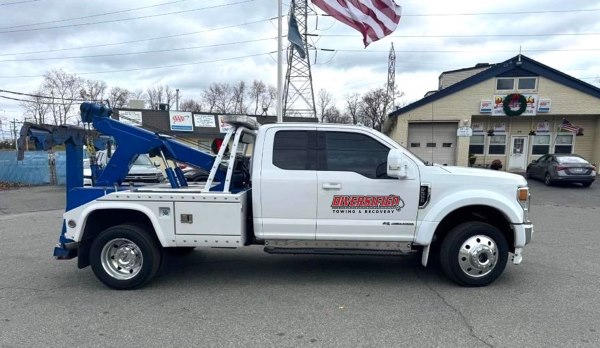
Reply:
x=570, y=159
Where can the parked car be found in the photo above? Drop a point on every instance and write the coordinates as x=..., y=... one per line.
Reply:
x=553, y=168
x=142, y=170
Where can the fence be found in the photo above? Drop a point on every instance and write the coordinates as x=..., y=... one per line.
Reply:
x=35, y=169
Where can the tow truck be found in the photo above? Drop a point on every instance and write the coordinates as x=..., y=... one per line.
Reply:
x=291, y=188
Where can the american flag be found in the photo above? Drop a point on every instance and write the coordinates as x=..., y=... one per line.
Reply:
x=375, y=19
x=566, y=125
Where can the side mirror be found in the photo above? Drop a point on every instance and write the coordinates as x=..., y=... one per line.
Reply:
x=534, y=161
x=396, y=164
x=156, y=164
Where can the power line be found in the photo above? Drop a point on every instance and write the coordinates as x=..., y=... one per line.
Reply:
x=126, y=19
x=140, y=40
x=141, y=52
x=497, y=13
x=41, y=96
x=90, y=16
x=467, y=51
x=147, y=68
x=18, y=2
x=469, y=36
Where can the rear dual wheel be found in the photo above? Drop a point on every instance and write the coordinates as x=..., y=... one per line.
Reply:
x=474, y=254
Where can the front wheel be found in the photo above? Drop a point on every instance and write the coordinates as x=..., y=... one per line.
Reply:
x=474, y=254
x=125, y=257
x=547, y=179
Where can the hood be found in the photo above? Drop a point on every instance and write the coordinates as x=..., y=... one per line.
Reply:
x=484, y=175
x=142, y=169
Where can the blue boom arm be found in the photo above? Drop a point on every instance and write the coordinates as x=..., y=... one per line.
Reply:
x=133, y=141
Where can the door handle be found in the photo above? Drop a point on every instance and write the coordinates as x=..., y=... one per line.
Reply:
x=332, y=186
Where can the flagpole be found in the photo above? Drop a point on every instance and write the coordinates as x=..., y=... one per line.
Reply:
x=279, y=61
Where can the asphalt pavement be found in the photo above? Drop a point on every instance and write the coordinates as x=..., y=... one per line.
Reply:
x=246, y=298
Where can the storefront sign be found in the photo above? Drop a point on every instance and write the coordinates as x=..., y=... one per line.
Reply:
x=499, y=127
x=223, y=127
x=542, y=127
x=544, y=105
x=485, y=107
x=204, y=121
x=477, y=127
x=133, y=118
x=181, y=121
x=464, y=132
x=497, y=109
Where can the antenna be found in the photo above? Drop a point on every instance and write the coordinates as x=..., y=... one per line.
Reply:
x=391, y=80
x=299, y=97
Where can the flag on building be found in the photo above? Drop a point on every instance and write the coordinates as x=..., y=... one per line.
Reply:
x=567, y=126
x=375, y=19
x=294, y=36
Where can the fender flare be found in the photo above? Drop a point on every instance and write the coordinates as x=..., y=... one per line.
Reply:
x=81, y=214
x=450, y=203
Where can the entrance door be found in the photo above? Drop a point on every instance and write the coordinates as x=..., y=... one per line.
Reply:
x=518, y=152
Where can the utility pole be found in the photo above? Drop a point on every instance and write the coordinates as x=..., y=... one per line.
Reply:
x=14, y=123
x=177, y=99
x=299, y=98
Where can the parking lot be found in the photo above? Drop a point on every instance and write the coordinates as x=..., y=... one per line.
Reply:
x=248, y=298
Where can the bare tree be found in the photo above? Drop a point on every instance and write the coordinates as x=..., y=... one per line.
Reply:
x=218, y=97
x=155, y=96
x=238, y=92
x=353, y=107
x=374, y=103
x=93, y=90
x=333, y=115
x=37, y=107
x=64, y=88
x=190, y=105
x=324, y=100
x=118, y=97
x=170, y=96
x=256, y=93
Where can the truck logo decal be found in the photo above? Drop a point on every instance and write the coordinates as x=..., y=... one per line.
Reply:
x=367, y=204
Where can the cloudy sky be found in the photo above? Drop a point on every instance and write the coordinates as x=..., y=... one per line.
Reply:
x=206, y=41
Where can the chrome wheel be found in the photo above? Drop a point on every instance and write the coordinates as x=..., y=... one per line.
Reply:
x=121, y=258
x=547, y=179
x=477, y=256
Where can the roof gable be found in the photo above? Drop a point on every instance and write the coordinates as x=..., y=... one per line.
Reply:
x=519, y=65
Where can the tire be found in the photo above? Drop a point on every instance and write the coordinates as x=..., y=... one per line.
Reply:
x=474, y=254
x=547, y=179
x=527, y=174
x=587, y=184
x=125, y=257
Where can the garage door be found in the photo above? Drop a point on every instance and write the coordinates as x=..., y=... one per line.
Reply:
x=433, y=142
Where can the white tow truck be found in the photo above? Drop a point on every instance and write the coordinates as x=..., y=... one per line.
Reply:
x=309, y=189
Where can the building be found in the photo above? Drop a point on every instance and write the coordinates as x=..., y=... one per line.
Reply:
x=550, y=112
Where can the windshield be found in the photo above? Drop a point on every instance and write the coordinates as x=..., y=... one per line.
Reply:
x=570, y=159
x=143, y=160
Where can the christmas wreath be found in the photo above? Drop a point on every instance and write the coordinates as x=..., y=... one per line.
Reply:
x=511, y=99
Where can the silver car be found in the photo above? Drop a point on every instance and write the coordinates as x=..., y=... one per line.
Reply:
x=554, y=168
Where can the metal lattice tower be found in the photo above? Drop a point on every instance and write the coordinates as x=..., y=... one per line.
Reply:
x=298, y=94
x=390, y=93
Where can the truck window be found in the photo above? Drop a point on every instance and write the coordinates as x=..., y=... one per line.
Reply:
x=295, y=150
x=353, y=152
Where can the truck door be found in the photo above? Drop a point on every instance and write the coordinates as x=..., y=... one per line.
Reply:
x=288, y=184
x=356, y=199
